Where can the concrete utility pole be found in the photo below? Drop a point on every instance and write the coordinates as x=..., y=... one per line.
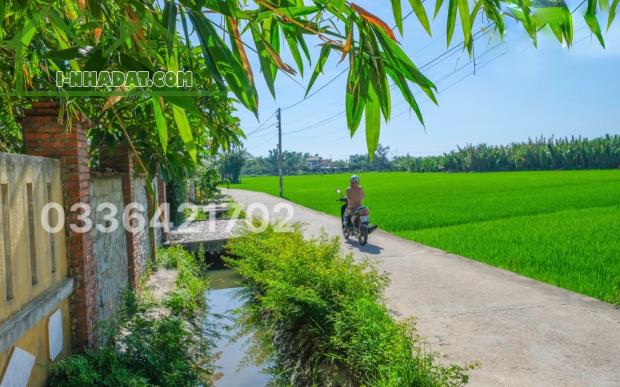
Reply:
x=280, y=152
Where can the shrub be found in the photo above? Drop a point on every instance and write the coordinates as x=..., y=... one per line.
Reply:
x=325, y=315
x=157, y=344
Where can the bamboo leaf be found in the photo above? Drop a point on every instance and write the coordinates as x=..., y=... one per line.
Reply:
x=420, y=12
x=375, y=20
x=438, y=5
x=237, y=43
x=398, y=14
x=401, y=83
x=291, y=39
x=180, y=117
x=354, y=100
x=231, y=68
x=592, y=21
x=612, y=12
x=160, y=122
x=463, y=6
x=373, y=121
x=451, y=22
x=170, y=22
x=319, y=66
x=263, y=58
x=348, y=43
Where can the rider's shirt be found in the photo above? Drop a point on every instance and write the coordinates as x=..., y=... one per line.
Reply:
x=355, y=195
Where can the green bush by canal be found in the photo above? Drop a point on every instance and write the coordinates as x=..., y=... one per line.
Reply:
x=325, y=315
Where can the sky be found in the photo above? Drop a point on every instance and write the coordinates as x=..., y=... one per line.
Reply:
x=518, y=92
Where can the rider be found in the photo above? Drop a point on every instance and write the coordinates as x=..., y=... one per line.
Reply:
x=355, y=196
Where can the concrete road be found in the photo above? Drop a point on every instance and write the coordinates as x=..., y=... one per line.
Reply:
x=522, y=332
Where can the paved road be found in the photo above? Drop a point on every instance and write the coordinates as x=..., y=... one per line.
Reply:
x=522, y=332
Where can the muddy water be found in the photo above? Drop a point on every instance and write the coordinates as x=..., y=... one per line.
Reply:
x=235, y=348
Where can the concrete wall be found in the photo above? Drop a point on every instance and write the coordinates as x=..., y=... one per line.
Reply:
x=31, y=260
x=110, y=249
x=36, y=342
x=144, y=251
x=33, y=269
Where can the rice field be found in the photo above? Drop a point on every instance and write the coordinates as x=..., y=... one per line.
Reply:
x=560, y=227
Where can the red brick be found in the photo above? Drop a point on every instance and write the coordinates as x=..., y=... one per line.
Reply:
x=44, y=135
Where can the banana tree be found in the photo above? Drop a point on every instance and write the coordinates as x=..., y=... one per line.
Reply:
x=39, y=37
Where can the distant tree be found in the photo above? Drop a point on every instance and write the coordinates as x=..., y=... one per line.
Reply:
x=381, y=159
x=537, y=154
x=379, y=162
x=231, y=163
x=293, y=163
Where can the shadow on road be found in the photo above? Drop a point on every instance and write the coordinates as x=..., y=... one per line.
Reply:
x=369, y=248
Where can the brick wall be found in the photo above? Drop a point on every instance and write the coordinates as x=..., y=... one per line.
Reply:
x=45, y=136
x=100, y=264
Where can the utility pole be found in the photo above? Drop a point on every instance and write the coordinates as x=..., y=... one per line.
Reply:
x=280, y=152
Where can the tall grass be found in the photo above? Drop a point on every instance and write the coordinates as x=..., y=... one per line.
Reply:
x=326, y=318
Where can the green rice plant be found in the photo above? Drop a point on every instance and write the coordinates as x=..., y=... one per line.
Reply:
x=560, y=227
x=325, y=315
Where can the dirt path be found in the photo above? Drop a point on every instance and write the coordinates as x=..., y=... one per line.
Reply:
x=523, y=332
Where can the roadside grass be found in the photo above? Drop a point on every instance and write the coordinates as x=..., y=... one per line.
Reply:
x=560, y=227
x=325, y=315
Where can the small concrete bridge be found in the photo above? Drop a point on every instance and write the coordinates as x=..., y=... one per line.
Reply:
x=209, y=236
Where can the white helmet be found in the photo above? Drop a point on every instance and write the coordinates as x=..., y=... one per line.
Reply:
x=354, y=179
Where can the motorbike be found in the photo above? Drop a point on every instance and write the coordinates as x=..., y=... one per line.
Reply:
x=358, y=224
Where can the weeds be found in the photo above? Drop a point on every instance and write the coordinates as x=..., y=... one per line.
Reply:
x=326, y=318
x=157, y=344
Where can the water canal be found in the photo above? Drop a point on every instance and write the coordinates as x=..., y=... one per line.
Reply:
x=241, y=359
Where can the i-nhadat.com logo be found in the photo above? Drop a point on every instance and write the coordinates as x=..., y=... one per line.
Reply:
x=120, y=79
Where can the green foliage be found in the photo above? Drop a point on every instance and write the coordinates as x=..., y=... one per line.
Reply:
x=231, y=163
x=10, y=133
x=325, y=315
x=177, y=192
x=206, y=182
x=555, y=226
x=101, y=368
x=40, y=37
x=293, y=163
x=538, y=154
x=157, y=344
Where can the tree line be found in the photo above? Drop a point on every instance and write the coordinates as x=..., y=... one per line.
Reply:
x=536, y=154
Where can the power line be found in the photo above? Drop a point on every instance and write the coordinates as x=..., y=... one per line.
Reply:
x=425, y=66
x=305, y=98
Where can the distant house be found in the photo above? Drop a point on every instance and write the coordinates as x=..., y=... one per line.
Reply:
x=313, y=162
x=317, y=163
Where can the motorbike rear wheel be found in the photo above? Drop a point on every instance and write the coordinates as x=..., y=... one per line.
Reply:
x=362, y=237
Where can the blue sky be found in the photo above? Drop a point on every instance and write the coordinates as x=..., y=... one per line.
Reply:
x=518, y=92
